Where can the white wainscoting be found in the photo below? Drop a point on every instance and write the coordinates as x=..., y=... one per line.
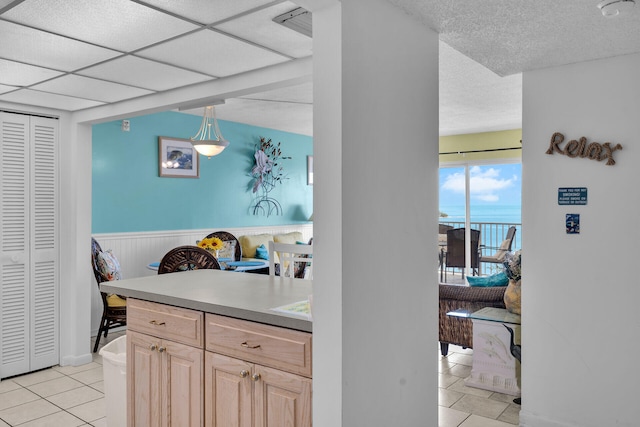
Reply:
x=136, y=250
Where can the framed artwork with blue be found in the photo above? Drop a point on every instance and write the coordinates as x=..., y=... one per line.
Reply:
x=177, y=158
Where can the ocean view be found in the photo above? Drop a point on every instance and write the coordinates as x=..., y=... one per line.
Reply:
x=484, y=213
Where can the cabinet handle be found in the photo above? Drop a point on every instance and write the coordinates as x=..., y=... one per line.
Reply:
x=153, y=347
x=161, y=349
x=246, y=345
x=244, y=373
x=255, y=377
x=155, y=322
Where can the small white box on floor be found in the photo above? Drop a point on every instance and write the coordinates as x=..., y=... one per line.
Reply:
x=114, y=368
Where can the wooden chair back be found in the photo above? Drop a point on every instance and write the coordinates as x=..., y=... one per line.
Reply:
x=184, y=258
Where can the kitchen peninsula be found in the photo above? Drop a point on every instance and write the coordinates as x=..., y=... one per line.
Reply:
x=206, y=347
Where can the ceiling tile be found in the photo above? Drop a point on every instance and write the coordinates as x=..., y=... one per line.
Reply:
x=259, y=28
x=88, y=88
x=212, y=53
x=117, y=24
x=301, y=94
x=48, y=100
x=5, y=88
x=207, y=11
x=144, y=73
x=47, y=50
x=283, y=116
x=18, y=74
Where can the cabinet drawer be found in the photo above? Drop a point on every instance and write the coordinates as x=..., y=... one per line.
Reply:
x=272, y=346
x=165, y=321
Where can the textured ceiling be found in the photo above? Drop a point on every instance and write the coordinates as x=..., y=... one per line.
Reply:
x=78, y=54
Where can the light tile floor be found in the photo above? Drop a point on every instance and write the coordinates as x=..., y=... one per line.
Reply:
x=61, y=396
x=462, y=406
x=74, y=396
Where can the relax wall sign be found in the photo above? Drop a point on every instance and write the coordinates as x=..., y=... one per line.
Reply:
x=580, y=148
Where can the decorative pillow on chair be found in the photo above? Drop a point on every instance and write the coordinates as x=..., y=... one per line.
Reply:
x=250, y=242
x=498, y=279
x=228, y=249
x=108, y=266
x=262, y=252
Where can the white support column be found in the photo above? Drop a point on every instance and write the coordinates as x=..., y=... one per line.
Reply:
x=376, y=170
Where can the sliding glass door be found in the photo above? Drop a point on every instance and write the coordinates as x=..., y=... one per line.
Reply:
x=484, y=197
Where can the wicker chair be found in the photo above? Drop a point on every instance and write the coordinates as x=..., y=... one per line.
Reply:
x=184, y=258
x=457, y=330
x=114, y=313
x=225, y=236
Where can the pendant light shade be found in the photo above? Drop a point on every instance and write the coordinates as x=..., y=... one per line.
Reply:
x=209, y=140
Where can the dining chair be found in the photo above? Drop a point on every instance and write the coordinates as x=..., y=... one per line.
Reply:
x=232, y=248
x=501, y=252
x=114, y=308
x=294, y=260
x=455, y=255
x=185, y=258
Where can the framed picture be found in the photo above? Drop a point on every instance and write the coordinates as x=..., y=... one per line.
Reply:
x=177, y=158
x=309, y=170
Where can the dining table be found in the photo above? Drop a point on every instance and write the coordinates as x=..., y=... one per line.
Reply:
x=245, y=264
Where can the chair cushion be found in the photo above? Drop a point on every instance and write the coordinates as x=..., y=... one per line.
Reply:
x=114, y=300
x=292, y=237
x=249, y=243
x=498, y=279
x=108, y=266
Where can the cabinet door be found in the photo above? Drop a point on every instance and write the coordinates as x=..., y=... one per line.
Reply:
x=227, y=392
x=182, y=386
x=143, y=380
x=281, y=399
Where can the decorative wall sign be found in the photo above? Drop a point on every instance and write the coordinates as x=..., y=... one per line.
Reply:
x=573, y=223
x=592, y=150
x=572, y=196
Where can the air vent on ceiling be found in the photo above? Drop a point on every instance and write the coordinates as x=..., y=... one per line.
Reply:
x=298, y=20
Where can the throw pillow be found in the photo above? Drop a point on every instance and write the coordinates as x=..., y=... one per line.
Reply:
x=250, y=242
x=108, y=266
x=498, y=279
x=291, y=237
x=262, y=252
x=228, y=249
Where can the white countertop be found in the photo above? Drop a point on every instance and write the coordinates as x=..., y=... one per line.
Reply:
x=241, y=295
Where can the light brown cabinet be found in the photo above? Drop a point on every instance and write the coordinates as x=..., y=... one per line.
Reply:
x=256, y=375
x=164, y=386
x=188, y=368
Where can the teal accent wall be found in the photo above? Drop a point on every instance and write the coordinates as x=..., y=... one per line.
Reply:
x=128, y=195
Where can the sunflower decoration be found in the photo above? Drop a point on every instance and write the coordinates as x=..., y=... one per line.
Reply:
x=211, y=243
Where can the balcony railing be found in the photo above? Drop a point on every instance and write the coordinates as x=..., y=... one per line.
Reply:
x=491, y=235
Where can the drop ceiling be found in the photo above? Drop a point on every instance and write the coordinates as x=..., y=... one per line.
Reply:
x=79, y=54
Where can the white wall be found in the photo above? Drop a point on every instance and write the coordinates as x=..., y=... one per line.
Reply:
x=375, y=192
x=580, y=292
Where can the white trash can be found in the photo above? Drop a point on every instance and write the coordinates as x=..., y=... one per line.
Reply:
x=114, y=368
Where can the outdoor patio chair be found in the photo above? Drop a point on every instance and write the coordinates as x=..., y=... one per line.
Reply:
x=455, y=254
x=500, y=253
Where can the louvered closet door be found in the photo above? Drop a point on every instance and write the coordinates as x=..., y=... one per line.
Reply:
x=43, y=265
x=28, y=244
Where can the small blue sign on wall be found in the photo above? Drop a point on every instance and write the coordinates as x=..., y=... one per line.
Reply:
x=573, y=223
x=572, y=196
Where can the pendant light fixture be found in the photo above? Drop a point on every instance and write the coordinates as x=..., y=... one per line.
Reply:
x=209, y=141
x=611, y=8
